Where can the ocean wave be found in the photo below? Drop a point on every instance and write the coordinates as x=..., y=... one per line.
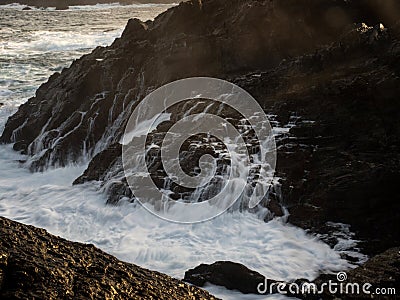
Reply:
x=51, y=41
x=118, y=5
x=17, y=6
x=133, y=234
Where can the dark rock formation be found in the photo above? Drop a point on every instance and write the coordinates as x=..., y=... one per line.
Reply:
x=86, y=105
x=342, y=166
x=36, y=264
x=225, y=273
x=101, y=164
x=340, y=161
x=235, y=276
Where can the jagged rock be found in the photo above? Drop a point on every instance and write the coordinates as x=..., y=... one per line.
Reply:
x=36, y=264
x=343, y=165
x=188, y=40
x=100, y=164
x=381, y=271
x=62, y=7
x=340, y=161
x=225, y=273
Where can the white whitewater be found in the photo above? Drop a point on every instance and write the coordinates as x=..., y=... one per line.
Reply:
x=133, y=234
x=103, y=6
x=128, y=231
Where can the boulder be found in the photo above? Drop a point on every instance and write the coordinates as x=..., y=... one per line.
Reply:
x=233, y=276
x=62, y=7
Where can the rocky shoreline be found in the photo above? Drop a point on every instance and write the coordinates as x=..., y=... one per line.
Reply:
x=36, y=264
x=327, y=69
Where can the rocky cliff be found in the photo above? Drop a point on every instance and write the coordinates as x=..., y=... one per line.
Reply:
x=343, y=165
x=312, y=64
x=37, y=265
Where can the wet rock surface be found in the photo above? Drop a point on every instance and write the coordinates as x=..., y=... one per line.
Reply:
x=225, y=273
x=340, y=161
x=85, y=108
x=37, y=265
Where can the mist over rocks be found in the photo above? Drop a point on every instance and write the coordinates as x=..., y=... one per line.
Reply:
x=314, y=65
x=36, y=264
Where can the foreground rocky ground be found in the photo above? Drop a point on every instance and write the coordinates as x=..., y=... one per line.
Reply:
x=37, y=265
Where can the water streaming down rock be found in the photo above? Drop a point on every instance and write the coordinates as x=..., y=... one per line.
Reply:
x=152, y=53
x=114, y=176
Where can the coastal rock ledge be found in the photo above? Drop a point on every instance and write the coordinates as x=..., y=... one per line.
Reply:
x=37, y=265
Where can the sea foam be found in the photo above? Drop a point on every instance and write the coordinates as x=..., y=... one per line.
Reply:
x=48, y=200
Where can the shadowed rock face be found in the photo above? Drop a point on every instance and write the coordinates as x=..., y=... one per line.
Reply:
x=86, y=106
x=302, y=60
x=36, y=264
x=342, y=166
x=340, y=161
